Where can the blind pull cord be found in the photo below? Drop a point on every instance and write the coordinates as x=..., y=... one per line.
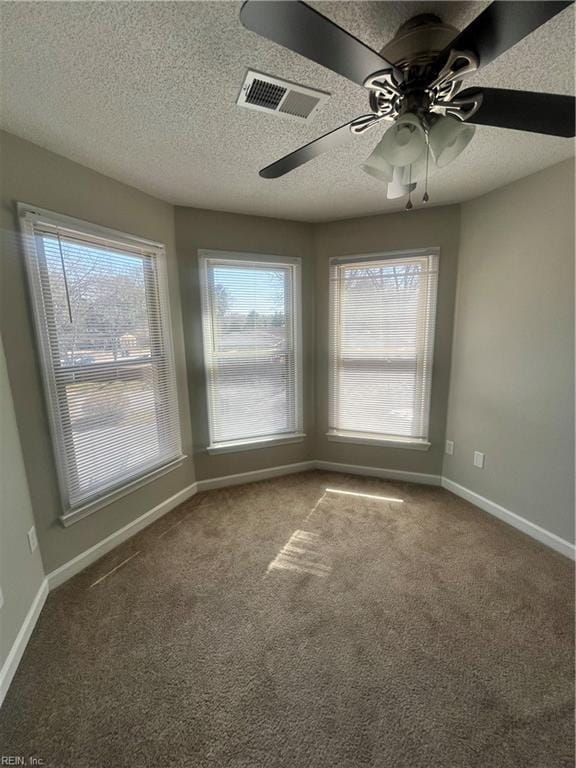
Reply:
x=65, y=278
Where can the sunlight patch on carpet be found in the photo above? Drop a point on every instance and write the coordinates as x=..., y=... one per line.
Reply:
x=304, y=553
x=364, y=495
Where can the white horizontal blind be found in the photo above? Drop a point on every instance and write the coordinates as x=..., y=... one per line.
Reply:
x=103, y=327
x=251, y=344
x=382, y=316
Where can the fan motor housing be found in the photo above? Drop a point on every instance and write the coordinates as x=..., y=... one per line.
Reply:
x=429, y=80
x=418, y=41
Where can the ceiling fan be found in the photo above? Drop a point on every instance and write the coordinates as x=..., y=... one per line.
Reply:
x=415, y=82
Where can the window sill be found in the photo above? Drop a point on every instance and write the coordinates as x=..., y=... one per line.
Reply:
x=380, y=442
x=69, y=518
x=252, y=445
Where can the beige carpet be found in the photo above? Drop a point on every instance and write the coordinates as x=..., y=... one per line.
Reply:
x=284, y=624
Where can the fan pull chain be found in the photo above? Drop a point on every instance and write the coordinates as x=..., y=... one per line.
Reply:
x=426, y=195
x=65, y=278
x=409, y=205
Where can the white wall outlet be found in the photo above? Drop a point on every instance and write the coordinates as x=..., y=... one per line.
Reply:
x=32, y=539
x=449, y=447
x=479, y=459
x=1, y=598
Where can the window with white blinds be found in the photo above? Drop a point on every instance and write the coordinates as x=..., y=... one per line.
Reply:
x=103, y=328
x=382, y=317
x=250, y=312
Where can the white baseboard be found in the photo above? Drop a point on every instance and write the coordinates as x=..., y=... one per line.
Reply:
x=384, y=474
x=252, y=477
x=538, y=533
x=77, y=564
x=89, y=556
x=81, y=561
x=19, y=646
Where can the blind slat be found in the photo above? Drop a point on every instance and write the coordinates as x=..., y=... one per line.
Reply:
x=251, y=345
x=382, y=315
x=102, y=322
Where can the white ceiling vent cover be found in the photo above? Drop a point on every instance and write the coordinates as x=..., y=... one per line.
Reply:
x=286, y=99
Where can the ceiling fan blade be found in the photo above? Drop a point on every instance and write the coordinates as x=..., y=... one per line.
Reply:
x=503, y=24
x=309, y=151
x=300, y=28
x=524, y=111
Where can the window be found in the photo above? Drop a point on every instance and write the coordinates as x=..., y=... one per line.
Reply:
x=251, y=347
x=103, y=330
x=382, y=312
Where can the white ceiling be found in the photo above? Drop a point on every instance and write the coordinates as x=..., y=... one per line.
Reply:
x=145, y=92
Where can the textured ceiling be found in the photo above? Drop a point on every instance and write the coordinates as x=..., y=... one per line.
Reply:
x=145, y=92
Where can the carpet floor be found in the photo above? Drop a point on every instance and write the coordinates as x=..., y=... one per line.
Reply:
x=293, y=624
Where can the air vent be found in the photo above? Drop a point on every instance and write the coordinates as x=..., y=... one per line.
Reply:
x=263, y=94
x=269, y=94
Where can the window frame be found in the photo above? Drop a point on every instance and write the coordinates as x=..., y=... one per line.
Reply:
x=362, y=438
x=29, y=216
x=250, y=259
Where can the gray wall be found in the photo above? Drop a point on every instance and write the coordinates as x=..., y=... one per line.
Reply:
x=33, y=175
x=197, y=230
x=21, y=572
x=514, y=310
x=512, y=384
x=376, y=234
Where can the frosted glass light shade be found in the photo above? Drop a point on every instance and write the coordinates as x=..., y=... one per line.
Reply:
x=376, y=173
x=418, y=169
x=403, y=142
x=397, y=188
x=377, y=166
x=449, y=137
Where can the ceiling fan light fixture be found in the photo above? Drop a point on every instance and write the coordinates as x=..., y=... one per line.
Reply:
x=448, y=138
x=404, y=142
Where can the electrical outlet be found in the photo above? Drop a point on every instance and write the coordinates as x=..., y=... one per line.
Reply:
x=479, y=459
x=449, y=447
x=32, y=539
